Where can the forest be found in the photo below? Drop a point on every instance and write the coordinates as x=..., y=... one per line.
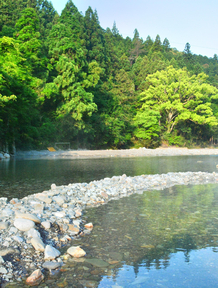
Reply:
x=63, y=78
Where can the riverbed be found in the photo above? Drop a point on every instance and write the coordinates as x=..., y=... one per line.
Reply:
x=159, y=220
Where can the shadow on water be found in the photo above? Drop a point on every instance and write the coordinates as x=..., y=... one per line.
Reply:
x=163, y=238
x=19, y=178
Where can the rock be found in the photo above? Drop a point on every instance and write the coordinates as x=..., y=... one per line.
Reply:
x=76, y=251
x=51, y=265
x=4, y=225
x=28, y=216
x=43, y=198
x=104, y=195
x=7, y=251
x=3, y=270
x=116, y=256
x=33, y=233
x=65, y=238
x=46, y=224
x=60, y=214
x=38, y=244
x=51, y=253
x=7, y=212
x=12, y=230
x=53, y=186
x=77, y=223
x=1, y=260
x=35, y=278
x=18, y=239
x=6, y=155
x=92, y=284
x=88, y=225
x=24, y=224
x=78, y=213
x=73, y=228
x=97, y=262
x=59, y=200
x=38, y=208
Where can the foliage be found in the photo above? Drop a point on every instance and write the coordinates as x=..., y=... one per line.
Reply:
x=66, y=78
x=178, y=97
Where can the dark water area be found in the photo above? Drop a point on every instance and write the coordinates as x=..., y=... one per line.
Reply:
x=165, y=238
x=21, y=177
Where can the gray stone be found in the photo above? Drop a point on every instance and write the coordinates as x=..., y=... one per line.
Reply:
x=51, y=253
x=46, y=224
x=33, y=233
x=28, y=216
x=24, y=224
x=7, y=212
x=1, y=260
x=3, y=270
x=51, y=265
x=97, y=262
x=4, y=225
x=7, y=251
x=12, y=230
x=18, y=239
x=59, y=200
x=38, y=244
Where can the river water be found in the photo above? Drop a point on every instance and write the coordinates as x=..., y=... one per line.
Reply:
x=165, y=238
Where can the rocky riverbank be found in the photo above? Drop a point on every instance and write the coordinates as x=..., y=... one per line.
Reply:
x=141, y=152
x=34, y=229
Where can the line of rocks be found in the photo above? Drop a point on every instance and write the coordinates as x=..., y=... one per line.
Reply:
x=33, y=229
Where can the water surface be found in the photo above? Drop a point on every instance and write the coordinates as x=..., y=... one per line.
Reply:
x=165, y=238
x=21, y=177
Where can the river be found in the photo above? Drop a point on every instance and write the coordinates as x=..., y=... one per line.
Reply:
x=166, y=238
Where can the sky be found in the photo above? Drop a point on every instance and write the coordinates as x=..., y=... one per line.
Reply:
x=180, y=21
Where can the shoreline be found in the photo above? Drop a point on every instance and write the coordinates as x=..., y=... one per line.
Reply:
x=91, y=154
x=48, y=221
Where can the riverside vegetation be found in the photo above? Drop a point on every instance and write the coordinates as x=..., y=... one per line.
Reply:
x=63, y=78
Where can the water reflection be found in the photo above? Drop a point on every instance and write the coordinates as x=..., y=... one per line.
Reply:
x=20, y=177
x=161, y=238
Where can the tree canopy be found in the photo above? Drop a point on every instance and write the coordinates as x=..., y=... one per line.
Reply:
x=65, y=78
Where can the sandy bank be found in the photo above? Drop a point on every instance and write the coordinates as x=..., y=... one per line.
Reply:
x=141, y=152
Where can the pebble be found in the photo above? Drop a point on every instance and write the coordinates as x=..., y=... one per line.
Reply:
x=76, y=251
x=38, y=244
x=50, y=219
x=51, y=253
x=28, y=216
x=51, y=265
x=24, y=224
x=35, y=278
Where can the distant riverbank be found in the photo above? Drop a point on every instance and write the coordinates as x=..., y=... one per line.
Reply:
x=83, y=154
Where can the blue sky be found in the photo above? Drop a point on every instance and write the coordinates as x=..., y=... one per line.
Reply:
x=180, y=21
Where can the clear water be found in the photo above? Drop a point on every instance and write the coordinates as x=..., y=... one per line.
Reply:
x=21, y=177
x=165, y=238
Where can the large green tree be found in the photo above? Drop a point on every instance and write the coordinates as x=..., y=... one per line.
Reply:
x=176, y=96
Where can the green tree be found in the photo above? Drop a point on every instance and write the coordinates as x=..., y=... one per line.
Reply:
x=177, y=96
x=18, y=117
x=138, y=47
x=29, y=38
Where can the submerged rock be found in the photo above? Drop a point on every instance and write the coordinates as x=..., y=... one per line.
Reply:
x=97, y=262
x=35, y=278
x=76, y=251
